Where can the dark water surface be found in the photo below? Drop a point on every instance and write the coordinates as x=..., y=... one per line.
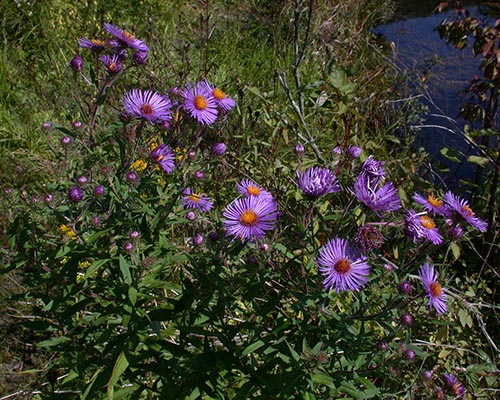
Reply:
x=440, y=74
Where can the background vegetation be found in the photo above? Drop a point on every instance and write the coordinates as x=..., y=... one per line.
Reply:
x=172, y=319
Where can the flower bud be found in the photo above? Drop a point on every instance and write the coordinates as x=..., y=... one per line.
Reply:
x=405, y=288
x=407, y=319
x=76, y=63
x=99, y=190
x=199, y=174
x=75, y=194
x=198, y=239
x=82, y=180
x=128, y=247
x=219, y=149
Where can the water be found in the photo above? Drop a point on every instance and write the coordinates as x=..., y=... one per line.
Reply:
x=440, y=74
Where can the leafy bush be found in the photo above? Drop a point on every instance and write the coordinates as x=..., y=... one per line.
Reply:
x=181, y=250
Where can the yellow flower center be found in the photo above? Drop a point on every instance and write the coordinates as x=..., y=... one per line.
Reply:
x=200, y=103
x=253, y=190
x=248, y=218
x=427, y=222
x=434, y=201
x=98, y=42
x=218, y=94
x=146, y=109
x=467, y=210
x=194, y=197
x=113, y=67
x=128, y=35
x=435, y=289
x=342, y=266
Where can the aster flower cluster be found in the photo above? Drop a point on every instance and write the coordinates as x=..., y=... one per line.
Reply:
x=251, y=215
x=113, y=51
x=201, y=101
x=453, y=209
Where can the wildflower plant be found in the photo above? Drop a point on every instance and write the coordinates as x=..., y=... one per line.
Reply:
x=159, y=284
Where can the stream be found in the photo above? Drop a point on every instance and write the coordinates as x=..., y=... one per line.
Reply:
x=438, y=74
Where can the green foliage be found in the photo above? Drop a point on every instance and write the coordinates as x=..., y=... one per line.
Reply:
x=131, y=301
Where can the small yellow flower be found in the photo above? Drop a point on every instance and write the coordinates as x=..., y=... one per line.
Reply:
x=152, y=144
x=181, y=153
x=140, y=165
x=83, y=265
x=67, y=231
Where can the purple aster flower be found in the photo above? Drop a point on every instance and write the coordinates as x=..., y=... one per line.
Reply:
x=196, y=200
x=374, y=169
x=126, y=38
x=219, y=149
x=462, y=208
x=248, y=218
x=317, y=181
x=65, y=140
x=432, y=204
x=165, y=157
x=77, y=62
x=141, y=57
x=455, y=385
x=437, y=297
x=148, y=105
x=249, y=188
x=385, y=198
x=200, y=103
x=75, y=194
x=343, y=266
x=113, y=63
x=422, y=226
x=96, y=45
x=224, y=102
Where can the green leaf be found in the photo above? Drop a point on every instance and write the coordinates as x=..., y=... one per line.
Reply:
x=132, y=295
x=53, y=342
x=253, y=347
x=94, y=266
x=483, y=161
x=121, y=365
x=125, y=269
x=322, y=378
x=455, y=249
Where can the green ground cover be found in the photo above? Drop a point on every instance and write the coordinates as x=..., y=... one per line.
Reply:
x=113, y=288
